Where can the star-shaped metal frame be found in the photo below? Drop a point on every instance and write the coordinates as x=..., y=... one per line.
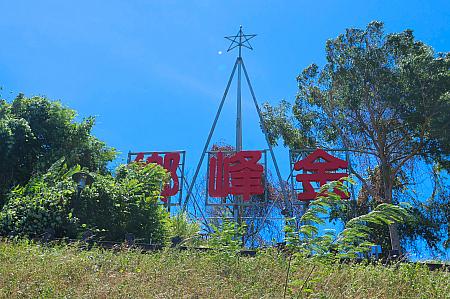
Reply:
x=240, y=40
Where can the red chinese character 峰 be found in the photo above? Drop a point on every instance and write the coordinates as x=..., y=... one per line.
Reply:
x=321, y=172
x=170, y=162
x=238, y=174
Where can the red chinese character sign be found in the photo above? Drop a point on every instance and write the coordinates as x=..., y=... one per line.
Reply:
x=319, y=167
x=173, y=162
x=236, y=173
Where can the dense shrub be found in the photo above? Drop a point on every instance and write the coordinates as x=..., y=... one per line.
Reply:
x=110, y=207
x=184, y=229
x=43, y=204
x=35, y=132
x=227, y=237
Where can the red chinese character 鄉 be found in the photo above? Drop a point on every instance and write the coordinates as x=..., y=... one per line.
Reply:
x=170, y=162
x=239, y=174
x=321, y=172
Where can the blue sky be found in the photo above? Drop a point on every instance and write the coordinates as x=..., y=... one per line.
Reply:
x=153, y=72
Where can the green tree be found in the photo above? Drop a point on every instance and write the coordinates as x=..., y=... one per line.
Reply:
x=36, y=132
x=110, y=207
x=385, y=98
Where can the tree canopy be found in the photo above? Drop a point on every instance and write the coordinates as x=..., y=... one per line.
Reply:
x=36, y=132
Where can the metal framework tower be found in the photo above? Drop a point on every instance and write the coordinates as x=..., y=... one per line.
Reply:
x=240, y=40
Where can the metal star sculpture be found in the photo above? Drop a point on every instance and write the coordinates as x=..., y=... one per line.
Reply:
x=240, y=40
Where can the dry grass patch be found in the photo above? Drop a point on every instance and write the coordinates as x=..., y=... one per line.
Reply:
x=32, y=271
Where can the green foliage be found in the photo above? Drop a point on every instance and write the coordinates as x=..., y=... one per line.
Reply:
x=372, y=82
x=110, y=207
x=36, y=132
x=43, y=204
x=126, y=204
x=356, y=236
x=306, y=242
x=182, y=227
x=227, y=237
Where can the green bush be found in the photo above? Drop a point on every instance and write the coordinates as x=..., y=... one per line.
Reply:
x=43, y=204
x=36, y=131
x=227, y=237
x=183, y=228
x=111, y=207
x=304, y=238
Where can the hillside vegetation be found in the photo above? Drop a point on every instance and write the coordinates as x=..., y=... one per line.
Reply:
x=38, y=271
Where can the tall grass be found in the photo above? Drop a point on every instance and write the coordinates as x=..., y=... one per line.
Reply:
x=33, y=271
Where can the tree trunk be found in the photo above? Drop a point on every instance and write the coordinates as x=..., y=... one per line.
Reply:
x=395, y=238
x=387, y=180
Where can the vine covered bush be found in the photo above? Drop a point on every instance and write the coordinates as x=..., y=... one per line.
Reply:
x=111, y=207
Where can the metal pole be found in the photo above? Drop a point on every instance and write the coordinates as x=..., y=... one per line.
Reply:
x=286, y=200
x=237, y=198
x=350, y=169
x=199, y=209
x=239, y=110
x=240, y=40
x=182, y=178
x=205, y=149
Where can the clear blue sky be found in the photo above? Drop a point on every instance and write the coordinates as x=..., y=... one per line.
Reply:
x=153, y=72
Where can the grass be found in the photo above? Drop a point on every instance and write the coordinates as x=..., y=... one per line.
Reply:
x=38, y=271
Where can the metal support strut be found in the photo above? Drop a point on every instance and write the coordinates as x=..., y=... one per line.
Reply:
x=240, y=40
x=208, y=140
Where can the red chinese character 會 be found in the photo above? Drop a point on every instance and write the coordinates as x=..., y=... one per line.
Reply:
x=321, y=172
x=170, y=162
x=238, y=174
